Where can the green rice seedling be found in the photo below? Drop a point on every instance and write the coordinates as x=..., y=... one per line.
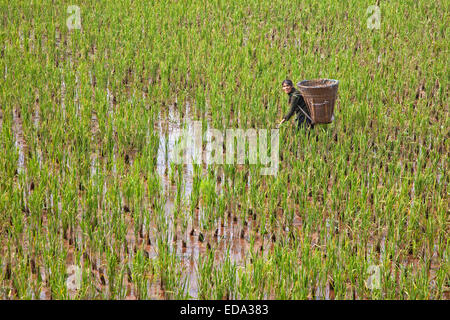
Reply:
x=204, y=274
x=140, y=267
x=207, y=189
x=196, y=183
x=221, y=206
x=172, y=281
x=179, y=189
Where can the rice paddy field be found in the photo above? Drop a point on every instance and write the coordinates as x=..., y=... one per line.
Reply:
x=93, y=207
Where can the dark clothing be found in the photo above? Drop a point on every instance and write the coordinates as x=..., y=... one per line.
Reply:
x=296, y=102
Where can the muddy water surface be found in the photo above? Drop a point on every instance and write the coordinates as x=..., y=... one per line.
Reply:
x=19, y=140
x=229, y=235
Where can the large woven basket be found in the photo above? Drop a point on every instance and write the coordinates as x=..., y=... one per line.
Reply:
x=320, y=96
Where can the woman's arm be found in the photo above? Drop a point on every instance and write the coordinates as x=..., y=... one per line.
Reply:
x=294, y=102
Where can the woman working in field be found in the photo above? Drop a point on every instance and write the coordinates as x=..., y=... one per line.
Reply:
x=297, y=105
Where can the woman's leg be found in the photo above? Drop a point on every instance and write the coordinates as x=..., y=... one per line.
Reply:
x=304, y=122
x=300, y=121
x=310, y=125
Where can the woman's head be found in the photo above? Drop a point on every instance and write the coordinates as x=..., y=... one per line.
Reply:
x=287, y=86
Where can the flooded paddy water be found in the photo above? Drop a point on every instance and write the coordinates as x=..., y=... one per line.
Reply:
x=230, y=238
x=19, y=140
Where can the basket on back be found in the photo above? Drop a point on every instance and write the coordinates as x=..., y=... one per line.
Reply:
x=320, y=96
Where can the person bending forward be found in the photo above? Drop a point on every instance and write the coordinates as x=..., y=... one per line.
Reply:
x=297, y=104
